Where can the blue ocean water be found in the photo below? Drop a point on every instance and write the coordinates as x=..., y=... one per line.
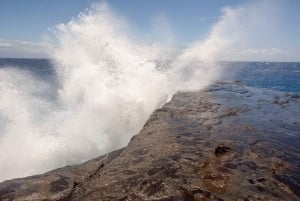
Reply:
x=41, y=68
x=283, y=76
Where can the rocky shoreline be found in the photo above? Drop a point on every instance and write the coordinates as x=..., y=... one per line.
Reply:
x=229, y=142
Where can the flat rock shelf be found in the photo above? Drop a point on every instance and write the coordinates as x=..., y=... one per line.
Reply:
x=229, y=142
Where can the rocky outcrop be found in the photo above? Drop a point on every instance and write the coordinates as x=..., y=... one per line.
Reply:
x=229, y=142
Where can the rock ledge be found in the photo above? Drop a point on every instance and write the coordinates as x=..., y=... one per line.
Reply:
x=229, y=142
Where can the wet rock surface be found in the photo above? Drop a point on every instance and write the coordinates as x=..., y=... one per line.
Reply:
x=229, y=142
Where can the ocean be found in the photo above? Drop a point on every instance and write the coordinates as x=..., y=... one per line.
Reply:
x=282, y=76
x=40, y=68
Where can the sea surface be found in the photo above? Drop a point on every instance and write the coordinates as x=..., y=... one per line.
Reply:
x=40, y=68
x=282, y=76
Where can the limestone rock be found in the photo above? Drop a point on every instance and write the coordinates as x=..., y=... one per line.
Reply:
x=229, y=142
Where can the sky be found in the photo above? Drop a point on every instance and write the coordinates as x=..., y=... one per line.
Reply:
x=25, y=25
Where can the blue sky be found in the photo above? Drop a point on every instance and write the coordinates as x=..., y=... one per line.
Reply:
x=29, y=21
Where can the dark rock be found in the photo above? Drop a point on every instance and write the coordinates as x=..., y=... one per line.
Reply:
x=261, y=180
x=251, y=181
x=229, y=142
x=221, y=150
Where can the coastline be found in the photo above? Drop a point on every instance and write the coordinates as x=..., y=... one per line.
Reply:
x=229, y=142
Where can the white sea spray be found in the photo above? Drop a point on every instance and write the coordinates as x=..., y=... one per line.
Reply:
x=109, y=83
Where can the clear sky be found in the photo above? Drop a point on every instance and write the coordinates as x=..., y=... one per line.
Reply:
x=30, y=20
